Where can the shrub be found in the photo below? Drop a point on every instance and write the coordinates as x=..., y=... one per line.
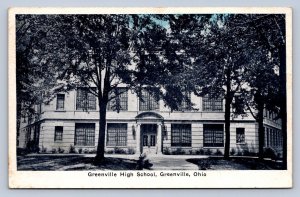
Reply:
x=80, y=150
x=245, y=149
x=21, y=151
x=93, y=151
x=37, y=149
x=72, y=149
x=119, y=151
x=232, y=151
x=60, y=150
x=200, y=151
x=218, y=152
x=109, y=152
x=143, y=163
x=85, y=151
x=208, y=152
x=31, y=147
x=44, y=150
x=178, y=151
x=130, y=151
x=270, y=153
x=53, y=151
x=166, y=151
x=249, y=153
x=239, y=152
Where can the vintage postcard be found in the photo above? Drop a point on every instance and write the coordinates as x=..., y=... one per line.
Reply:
x=150, y=97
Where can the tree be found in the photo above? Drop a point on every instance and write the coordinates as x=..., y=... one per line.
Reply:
x=162, y=60
x=228, y=53
x=261, y=92
x=268, y=32
x=98, y=52
x=35, y=73
x=272, y=35
x=105, y=51
x=221, y=60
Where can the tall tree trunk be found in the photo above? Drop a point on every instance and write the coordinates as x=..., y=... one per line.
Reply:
x=228, y=100
x=260, y=119
x=102, y=125
x=227, y=127
x=282, y=73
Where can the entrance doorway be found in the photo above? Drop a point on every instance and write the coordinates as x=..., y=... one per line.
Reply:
x=149, y=138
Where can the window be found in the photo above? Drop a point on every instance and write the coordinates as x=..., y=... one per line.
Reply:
x=165, y=132
x=30, y=118
x=212, y=104
x=265, y=113
x=85, y=134
x=185, y=104
x=240, y=135
x=36, y=134
x=213, y=135
x=58, y=135
x=181, y=135
x=148, y=102
x=268, y=137
x=116, y=134
x=119, y=102
x=271, y=137
x=60, y=102
x=28, y=134
x=85, y=100
x=276, y=137
x=39, y=108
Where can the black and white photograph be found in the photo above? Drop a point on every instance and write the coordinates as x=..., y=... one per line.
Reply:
x=135, y=96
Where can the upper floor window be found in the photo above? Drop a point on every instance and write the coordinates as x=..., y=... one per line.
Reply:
x=60, y=101
x=148, y=102
x=212, y=104
x=119, y=100
x=85, y=100
x=186, y=102
x=30, y=119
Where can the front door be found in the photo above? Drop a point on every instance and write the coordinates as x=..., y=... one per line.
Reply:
x=149, y=138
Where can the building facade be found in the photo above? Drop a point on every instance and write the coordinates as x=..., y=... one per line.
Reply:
x=70, y=122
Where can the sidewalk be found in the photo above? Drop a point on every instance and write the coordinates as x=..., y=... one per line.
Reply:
x=167, y=162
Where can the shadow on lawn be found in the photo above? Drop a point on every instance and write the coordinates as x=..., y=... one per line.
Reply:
x=235, y=163
x=74, y=162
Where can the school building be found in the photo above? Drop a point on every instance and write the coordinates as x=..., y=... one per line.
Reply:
x=71, y=120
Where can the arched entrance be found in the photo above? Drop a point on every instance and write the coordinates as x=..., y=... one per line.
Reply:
x=149, y=133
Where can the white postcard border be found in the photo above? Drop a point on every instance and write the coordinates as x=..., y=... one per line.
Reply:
x=80, y=179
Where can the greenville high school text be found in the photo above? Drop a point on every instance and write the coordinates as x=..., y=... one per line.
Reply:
x=146, y=174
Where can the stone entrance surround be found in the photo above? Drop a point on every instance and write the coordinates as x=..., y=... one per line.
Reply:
x=148, y=118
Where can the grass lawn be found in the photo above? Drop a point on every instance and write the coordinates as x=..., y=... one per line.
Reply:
x=65, y=162
x=72, y=162
x=235, y=163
